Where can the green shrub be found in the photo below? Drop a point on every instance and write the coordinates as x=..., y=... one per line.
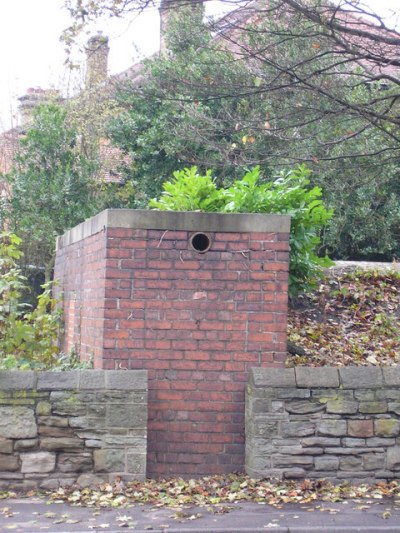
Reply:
x=28, y=337
x=289, y=194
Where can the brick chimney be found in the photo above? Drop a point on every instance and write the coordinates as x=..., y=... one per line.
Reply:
x=167, y=7
x=97, y=50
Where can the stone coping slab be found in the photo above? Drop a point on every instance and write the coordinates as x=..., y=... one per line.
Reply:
x=74, y=379
x=352, y=377
x=175, y=221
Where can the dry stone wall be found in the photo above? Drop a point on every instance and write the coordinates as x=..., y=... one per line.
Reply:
x=323, y=423
x=59, y=428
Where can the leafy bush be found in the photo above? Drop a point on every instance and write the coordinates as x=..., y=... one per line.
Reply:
x=289, y=194
x=28, y=337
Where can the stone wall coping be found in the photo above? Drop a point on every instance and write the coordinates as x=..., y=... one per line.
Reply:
x=352, y=377
x=175, y=221
x=74, y=380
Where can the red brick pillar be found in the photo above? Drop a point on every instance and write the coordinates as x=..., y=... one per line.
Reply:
x=197, y=299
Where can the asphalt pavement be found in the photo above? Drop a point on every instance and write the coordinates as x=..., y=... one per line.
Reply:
x=34, y=515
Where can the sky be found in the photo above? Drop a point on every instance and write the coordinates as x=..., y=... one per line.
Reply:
x=31, y=54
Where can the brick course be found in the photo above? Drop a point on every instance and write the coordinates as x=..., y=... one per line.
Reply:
x=196, y=321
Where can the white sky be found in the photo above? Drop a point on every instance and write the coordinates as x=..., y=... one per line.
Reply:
x=31, y=54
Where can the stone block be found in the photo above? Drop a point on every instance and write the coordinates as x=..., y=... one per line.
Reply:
x=323, y=377
x=288, y=461
x=17, y=422
x=360, y=428
x=67, y=404
x=332, y=428
x=109, y=460
x=366, y=395
x=304, y=407
x=126, y=379
x=351, y=451
x=53, y=421
x=260, y=447
x=91, y=379
x=272, y=377
x=388, y=394
x=374, y=461
x=320, y=441
x=394, y=407
x=386, y=427
x=297, y=429
x=25, y=444
x=8, y=462
x=380, y=442
x=16, y=380
x=299, y=450
x=50, y=484
x=350, y=462
x=83, y=422
x=259, y=405
x=89, y=481
x=38, y=462
x=93, y=443
x=292, y=393
x=50, y=431
x=350, y=442
x=65, y=380
x=61, y=443
x=293, y=473
x=359, y=377
x=373, y=407
x=96, y=409
x=391, y=375
x=326, y=462
x=277, y=407
x=43, y=408
x=393, y=458
x=6, y=445
x=257, y=463
x=126, y=416
x=136, y=464
x=340, y=406
x=138, y=440
x=68, y=462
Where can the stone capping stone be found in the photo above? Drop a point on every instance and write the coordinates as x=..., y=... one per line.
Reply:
x=126, y=379
x=273, y=377
x=73, y=379
x=175, y=221
x=303, y=377
x=17, y=380
x=361, y=377
x=307, y=377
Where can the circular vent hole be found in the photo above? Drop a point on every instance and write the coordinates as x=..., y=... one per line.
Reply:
x=200, y=242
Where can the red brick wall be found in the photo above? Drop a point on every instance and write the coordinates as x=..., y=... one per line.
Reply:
x=80, y=274
x=197, y=322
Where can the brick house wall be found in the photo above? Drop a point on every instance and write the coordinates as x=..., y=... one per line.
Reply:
x=139, y=295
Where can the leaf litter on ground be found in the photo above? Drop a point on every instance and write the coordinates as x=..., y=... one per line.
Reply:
x=221, y=491
x=349, y=319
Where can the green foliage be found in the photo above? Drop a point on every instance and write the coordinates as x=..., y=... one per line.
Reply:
x=284, y=98
x=28, y=338
x=289, y=194
x=51, y=188
x=189, y=191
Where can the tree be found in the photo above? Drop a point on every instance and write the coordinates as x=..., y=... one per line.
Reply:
x=51, y=187
x=277, y=83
